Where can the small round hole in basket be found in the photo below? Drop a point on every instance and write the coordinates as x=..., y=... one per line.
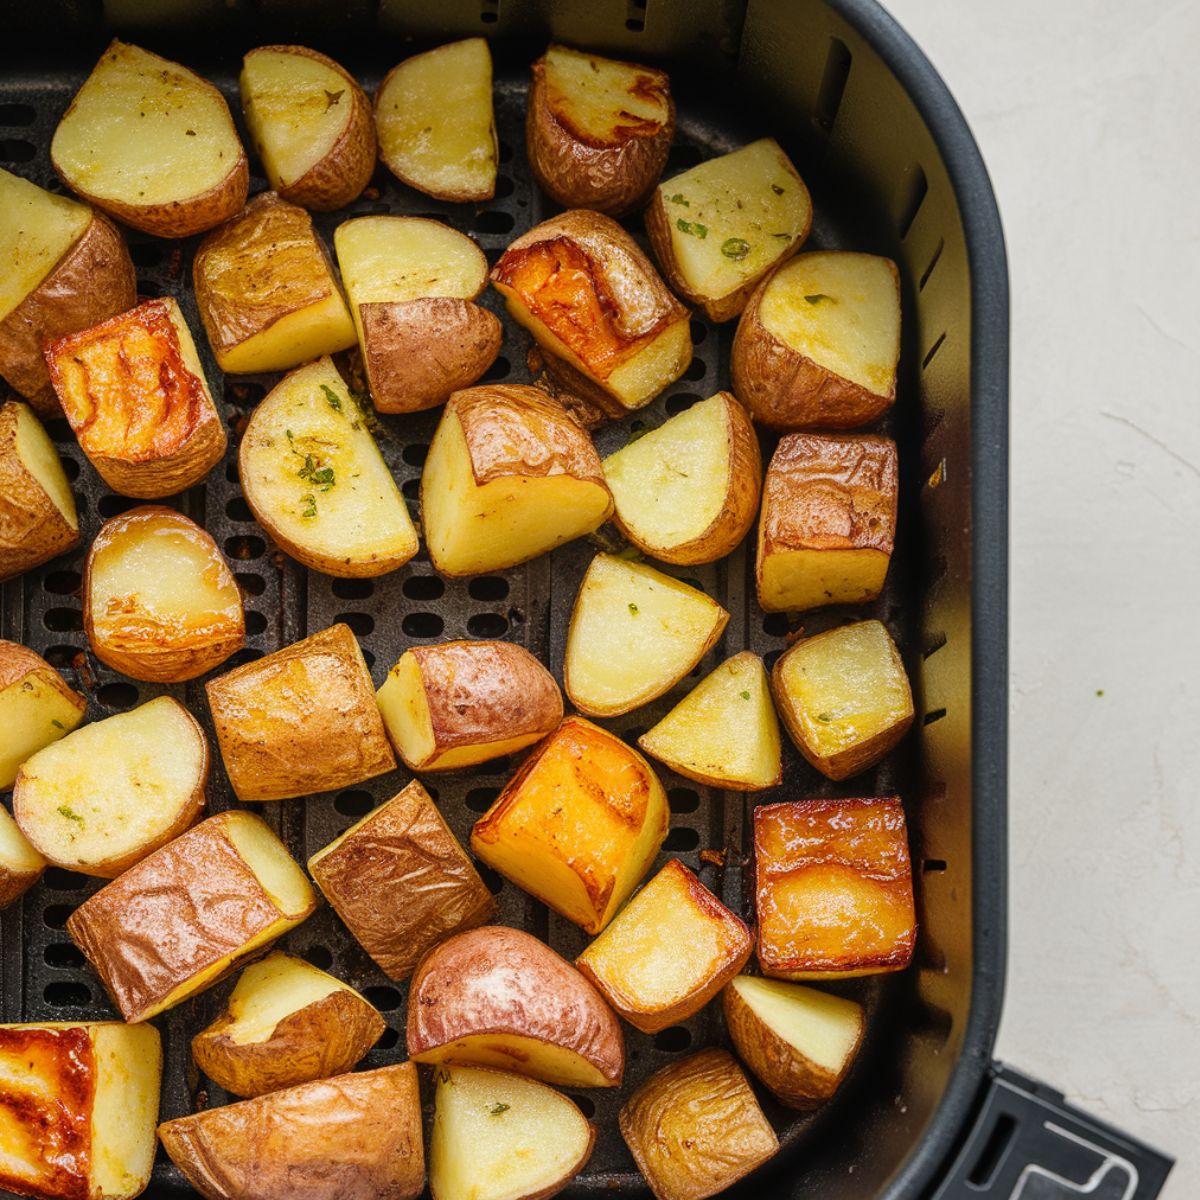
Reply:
x=61, y=880
x=354, y=804
x=64, y=956
x=236, y=509
x=480, y=799
x=423, y=587
x=361, y=624
x=697, y=370
x=681, y=402
x=147, y=254
x=487, y=625
x=493, y=880
x=250, y=583
x=673, y=1039
x=504, y=186
x=319, y=956
x=61, y=657
x=120, y=696
x=353, y=589
x=699, y=332
x=63, y=620
x=488, y=588
x=771, y=658
x=385, y=998
x=65, y=993
x=245, y=547
x=681, y=838
x=17, y=150
x=410, y=489
x=493, y=221
x=495, y=766
x=59, y=429
x=500, y=369
x=586, y=1105
x=775, y=624
x=422, y=625
x=63, y=583
x=683, y=800
x=256, y=622
x=55, y=915
x=388, y=1039
x=71, y=471
x=415, y=454
x=17, y=114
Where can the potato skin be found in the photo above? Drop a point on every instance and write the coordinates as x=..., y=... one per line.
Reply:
x=353, y=1137
x=417, y=352
x=92, y=281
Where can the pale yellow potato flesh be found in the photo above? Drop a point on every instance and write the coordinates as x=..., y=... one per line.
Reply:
x=273, y=866
x=271, y=989
x=17, y=856
x=801, y=579
x=598, y=96
x=316, y=329
x=36, y=451
x=554, y=1064
x=33, y=714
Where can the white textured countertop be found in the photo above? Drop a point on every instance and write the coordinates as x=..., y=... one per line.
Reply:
x=1088, y=114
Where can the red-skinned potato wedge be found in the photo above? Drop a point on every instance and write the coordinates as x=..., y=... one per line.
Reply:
x=695, y=1127
x=607, y=325
x=818, y=343
x=286, y=1022
x=135, y=394
x=800, y=1042
x=36, y=707
x=597, y=131
x=687, y=492
x=460, y=703
x=184, y=917
x=68, y=268
x=828, y=521
x=311, y=125
x=509, y=476
x=668, y=952
x=400, y=881
x=578, y=825
x=498, y=1136
x=834, y=888
x=80, y=1102
x=351, y=1136
x=159, y=600
x=153, y=144
x=301, y=720
x=497, y=997
x=110, y=793
x=38, y=520
x=21, y=866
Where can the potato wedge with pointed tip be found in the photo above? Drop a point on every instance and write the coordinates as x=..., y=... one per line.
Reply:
x=36, y=707
x=21, y=866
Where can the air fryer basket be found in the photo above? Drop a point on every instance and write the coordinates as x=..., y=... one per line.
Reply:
x=893, y=170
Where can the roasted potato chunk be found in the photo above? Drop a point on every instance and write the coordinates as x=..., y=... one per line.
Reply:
x=724, y=732
x=828, y=521
x=182, y=918
x=461, y=703
x=36, y=707
x=578, y=825
x=509, y=476
x=668, y=952
x=78, y=1106
x=597, y=131
x=110, y=793
x=153, y=144
x=844, y=697
x=159, y=600
x=311, y=126
x=401, y=882
x=687, y=492
x=67, y=268
x=21, y=866
x=818, y=344
x=433, y=115
x=664, y=628
x=834, y=888
x=695, y=1128
x=719, y=228
x=135, y=394
x=544, y=1019
x=316, y=482
x=607, y=325
x=285, y=1023
x=266, y=291
x=301, y=720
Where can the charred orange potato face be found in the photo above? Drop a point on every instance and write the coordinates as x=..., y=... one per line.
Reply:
x=834, y=886
x=578, y=825
x=134, y=392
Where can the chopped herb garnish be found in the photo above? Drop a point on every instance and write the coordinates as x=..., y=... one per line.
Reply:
x=310, y=505
x=777, y=189
x=825, y=718
x=335, y=401
x=735, y=248
x=189, y=133
x=65, y=810
x=331, y=98
x=57, y=724
x=1099, y=691
x=745, y=695
x=497, y=1109
x=786, y=236
x=692, y=227
x=630, y=554
x=678, y=198
x=818, y=297
x=633, y=608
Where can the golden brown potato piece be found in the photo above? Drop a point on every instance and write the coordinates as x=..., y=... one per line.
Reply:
x=509, y=476
x=159, y=600
x=687, y=492
x=834, y=888
x=844, y=697
x=114, y=791
x=695, y=1128
x=36, y=707
x=607, y=325
x=67, y=268
x=497, y=1136
x=301, y=720
x=135, y=394
x=719, y=228
x=669, y=951
x=38, y=520
x=724, y=732
x=153, y=144
x=401, y=882
x=798, y=1041
x=578, y=825
x=266, y=291
x=597, y=131
x=818, y=344
x=828, y=521
x=80, y=1102
x=286, y=1022
x=352, y=1136
x=181, y=919
x=311, y=126
x=433, y=115
x=21, y=866
x=543, y=1018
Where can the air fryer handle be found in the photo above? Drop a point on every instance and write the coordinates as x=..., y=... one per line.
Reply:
x=1029, y=1144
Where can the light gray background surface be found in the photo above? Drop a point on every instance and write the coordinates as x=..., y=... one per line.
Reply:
x=1088, y=114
